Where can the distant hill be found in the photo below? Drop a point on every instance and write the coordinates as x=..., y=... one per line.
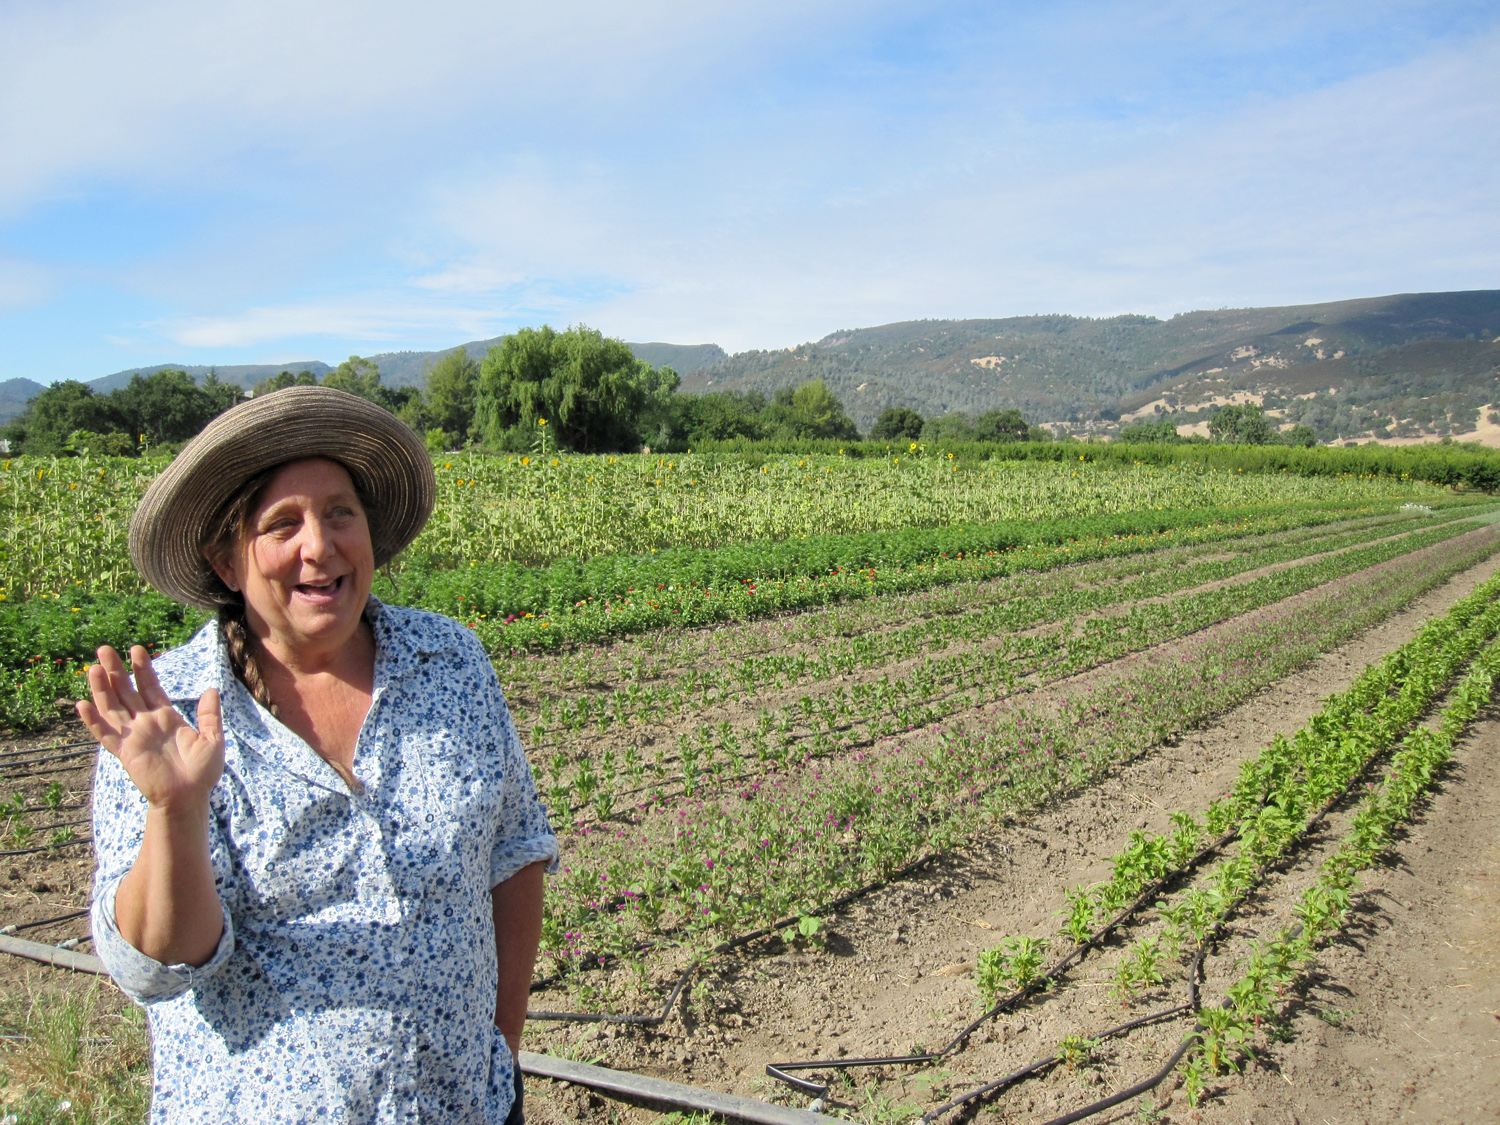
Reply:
x=1389, y=368
x=14, y=394
x=1083, y=373
x=681, y=358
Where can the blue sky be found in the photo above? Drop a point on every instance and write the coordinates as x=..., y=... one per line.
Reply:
x=270, y=181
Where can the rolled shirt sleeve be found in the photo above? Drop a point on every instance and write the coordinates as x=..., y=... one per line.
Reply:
x=523, y=835
x=119, y=827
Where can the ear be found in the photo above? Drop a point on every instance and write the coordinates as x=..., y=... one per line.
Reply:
x=223, y=570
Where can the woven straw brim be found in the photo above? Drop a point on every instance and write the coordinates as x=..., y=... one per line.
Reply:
x=389, y=465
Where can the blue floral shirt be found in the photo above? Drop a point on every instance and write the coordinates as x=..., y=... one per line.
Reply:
x=355, y=981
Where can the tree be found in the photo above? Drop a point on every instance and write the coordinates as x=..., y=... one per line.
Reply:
x=1163, y=433
x=282, y=381
x=450, y=387
x=356, y=375
x=166, y=406
x=592, y=391
x=1241, y=425
x=1300, y=435
x=719, y=416
x=897, y=423
x=1001, y=426
x=46, y=424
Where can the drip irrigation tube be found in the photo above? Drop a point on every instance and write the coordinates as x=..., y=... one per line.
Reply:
x=48, y=847
x=782, y=1071
x=727, y=946
x=51, y=758
x=44, y=922
x=1051, y=1060
x=4, y=754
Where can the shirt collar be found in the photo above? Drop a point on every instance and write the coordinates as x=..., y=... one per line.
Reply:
x=401, y=644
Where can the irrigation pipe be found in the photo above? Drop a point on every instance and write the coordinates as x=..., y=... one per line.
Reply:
x=782, y=1071
x=44, y=922
x=53, y=955
x=48, y=847
x=4, y=766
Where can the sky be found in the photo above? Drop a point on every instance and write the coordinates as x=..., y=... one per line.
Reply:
x=266, y=181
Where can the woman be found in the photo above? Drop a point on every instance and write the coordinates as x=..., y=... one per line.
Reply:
x=320, y=847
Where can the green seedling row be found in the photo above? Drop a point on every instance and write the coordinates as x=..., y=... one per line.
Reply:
x=939, y=686
x=780, y=845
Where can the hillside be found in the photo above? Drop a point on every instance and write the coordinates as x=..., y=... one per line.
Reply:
x=1393, y=368
x=1083, y=373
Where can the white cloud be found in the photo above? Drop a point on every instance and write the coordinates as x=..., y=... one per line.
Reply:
x=152, y=90
x=375, y=319
x=1380, y=183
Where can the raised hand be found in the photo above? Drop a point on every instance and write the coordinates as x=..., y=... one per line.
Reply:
x=174, y=766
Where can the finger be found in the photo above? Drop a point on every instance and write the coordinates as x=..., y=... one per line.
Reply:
x=210, y=717
x=106, y=702
x=119, y=681
x=146, y=683
x=108, y=737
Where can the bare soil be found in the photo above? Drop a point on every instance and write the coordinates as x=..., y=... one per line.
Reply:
x=1399, y=1023
x=897, y=972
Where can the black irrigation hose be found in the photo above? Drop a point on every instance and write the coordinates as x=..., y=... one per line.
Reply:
x=53, y=758
x=48, y=847
x=725, y=947
x=45, y=922
x=780, y=1071
x=1051, y=1060
x=45, y=749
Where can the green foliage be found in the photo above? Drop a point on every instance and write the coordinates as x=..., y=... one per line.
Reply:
x=994, y=426
x=1241, y=425
x=593, y=392
x=1013, y=965
x=898, y=423
x=1164, y=433
x=450, y=388
x=164, y=407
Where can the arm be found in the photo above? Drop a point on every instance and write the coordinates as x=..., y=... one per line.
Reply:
x=517, y=905
x=167, y=906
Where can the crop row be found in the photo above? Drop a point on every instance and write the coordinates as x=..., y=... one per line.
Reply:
x=63, y=522
x=45, y=641
x=929, y=691
x=1279, y=796
x=780, y=845
x=1273, y=967
x=665, y=654
x=990, y=610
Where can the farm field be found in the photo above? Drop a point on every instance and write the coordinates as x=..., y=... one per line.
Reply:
x=949, y=751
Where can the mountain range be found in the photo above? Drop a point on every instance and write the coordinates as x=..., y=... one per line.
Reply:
x=1402, y=365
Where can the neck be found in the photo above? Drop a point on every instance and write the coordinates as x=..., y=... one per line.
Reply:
x=351, y=659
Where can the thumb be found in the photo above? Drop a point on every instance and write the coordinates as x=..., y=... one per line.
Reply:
x=210, y=718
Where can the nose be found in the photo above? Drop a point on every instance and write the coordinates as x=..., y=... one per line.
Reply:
x=316, y=544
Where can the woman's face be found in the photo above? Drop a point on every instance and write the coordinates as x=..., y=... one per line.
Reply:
x=304, y=562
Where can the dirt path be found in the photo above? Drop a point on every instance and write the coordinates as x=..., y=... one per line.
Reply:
x=1403, y=1021
x=898, y=969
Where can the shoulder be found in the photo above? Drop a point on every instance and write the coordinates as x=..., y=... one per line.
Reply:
x=427, y=633
x=190, y=669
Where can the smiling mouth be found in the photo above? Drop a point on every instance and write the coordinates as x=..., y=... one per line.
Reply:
x=320, y=590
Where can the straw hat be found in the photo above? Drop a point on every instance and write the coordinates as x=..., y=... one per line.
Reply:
x=388, y=463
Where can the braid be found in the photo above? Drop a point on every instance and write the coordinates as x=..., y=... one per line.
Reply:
x=242, y=656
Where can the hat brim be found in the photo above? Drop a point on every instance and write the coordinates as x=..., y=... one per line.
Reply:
x=388, y=463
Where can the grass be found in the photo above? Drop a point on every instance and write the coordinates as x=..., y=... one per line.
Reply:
x=79, y=1057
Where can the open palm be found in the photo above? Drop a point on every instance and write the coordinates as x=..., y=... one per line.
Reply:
x=173, y=765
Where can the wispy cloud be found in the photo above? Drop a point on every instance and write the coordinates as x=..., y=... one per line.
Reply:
x=262, y=179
